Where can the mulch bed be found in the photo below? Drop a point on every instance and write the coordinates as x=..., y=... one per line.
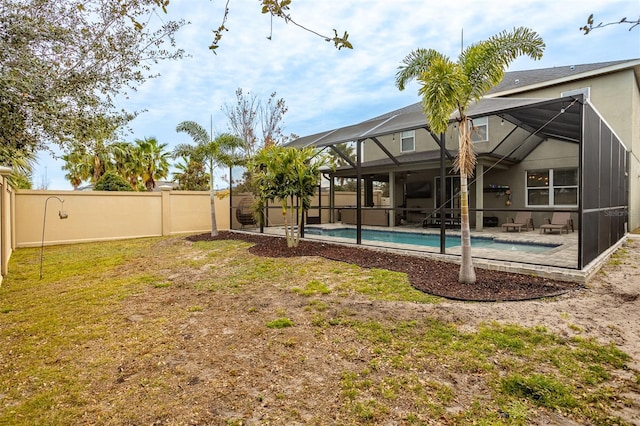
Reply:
x=430, y=276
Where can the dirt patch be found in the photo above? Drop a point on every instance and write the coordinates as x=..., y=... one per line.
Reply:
x=431, y=276
x=187, y=354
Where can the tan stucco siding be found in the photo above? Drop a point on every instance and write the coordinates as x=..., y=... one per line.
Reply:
x=611, y=94
x=616, y=97
x=550, y=154
x=423, y=142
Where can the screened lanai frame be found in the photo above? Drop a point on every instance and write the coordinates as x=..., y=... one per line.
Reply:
x=602, y=217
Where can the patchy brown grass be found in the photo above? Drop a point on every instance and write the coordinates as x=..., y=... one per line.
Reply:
x=172, y=332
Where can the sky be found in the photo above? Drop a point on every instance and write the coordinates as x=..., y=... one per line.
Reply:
x=326, y=88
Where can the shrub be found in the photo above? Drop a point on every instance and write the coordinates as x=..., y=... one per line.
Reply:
x=112, y=182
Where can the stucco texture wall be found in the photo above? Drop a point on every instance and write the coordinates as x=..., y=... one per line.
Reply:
x=101, y=215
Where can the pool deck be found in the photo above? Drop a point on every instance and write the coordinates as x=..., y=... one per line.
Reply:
x=557, y=263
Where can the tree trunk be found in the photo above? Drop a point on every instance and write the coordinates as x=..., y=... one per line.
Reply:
x=467, y=274
x=214, y=224
x=286, y=226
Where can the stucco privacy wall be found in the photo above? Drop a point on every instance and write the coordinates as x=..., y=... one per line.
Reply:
x=102, y=216
x=6, y=220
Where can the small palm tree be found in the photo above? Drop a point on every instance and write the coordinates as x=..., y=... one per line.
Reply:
x=284, y=174
x=447, y=86
x=191, y=175
x=214, y=153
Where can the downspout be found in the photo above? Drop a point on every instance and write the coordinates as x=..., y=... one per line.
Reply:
x=358, y=191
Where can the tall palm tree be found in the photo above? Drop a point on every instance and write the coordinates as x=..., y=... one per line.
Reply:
x=79, y=165
x=214, y=153
x=447, y=86
x=127, y=162
x=153, y=159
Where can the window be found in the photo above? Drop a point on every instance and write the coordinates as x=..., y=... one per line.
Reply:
x=479, y=129
x=552, y=187
x=407, y=141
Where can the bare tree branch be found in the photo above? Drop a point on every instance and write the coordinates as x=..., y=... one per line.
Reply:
x=590, y=26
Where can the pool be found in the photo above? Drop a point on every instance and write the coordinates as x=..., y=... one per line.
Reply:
x=429, y=240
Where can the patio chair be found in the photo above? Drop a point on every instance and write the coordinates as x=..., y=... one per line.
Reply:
x=558, y=222
x=522, y=220
x=244, y=215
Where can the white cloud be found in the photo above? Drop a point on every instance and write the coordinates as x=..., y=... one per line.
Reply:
x=325, y=88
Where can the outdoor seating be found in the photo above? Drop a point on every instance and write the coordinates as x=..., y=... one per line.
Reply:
x=433, y=221
x=244, y=215
x=559, y=222
x=522, y=220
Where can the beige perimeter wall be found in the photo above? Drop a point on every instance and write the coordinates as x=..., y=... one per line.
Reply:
x=101, y=216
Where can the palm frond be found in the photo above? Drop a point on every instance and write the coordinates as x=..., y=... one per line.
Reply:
x=484, y=63
x=440, y=89
x=198, y=133
x=416, y=63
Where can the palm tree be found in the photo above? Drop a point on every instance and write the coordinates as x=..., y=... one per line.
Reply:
x=348, y=150
x=284, y=174
x=153, y=159
x=21, y=162
x=127, y=162
x=214, y=153
x=447, y=86
x=79, y=166
x=191, y=175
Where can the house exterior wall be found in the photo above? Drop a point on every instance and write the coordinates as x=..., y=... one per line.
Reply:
x=551, y=154
x=423, y=142
x=616, y=97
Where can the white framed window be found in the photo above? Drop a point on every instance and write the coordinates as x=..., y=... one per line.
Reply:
x=552, y=187
x=586, y=91
x=479, y=128
x=408, y=141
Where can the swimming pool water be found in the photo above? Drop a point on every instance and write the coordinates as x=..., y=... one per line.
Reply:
x=429, y=240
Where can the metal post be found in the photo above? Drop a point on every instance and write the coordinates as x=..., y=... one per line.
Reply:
x=61, y=213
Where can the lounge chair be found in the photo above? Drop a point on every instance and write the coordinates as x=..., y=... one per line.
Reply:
x=558, y=222
x=522, y=220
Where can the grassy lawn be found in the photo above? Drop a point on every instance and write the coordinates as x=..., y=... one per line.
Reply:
x=164, y=331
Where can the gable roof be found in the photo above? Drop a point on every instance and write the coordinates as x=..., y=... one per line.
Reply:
x=539, y=116
x=519, y=81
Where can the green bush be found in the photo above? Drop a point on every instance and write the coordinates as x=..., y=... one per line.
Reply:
x=112, y=182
